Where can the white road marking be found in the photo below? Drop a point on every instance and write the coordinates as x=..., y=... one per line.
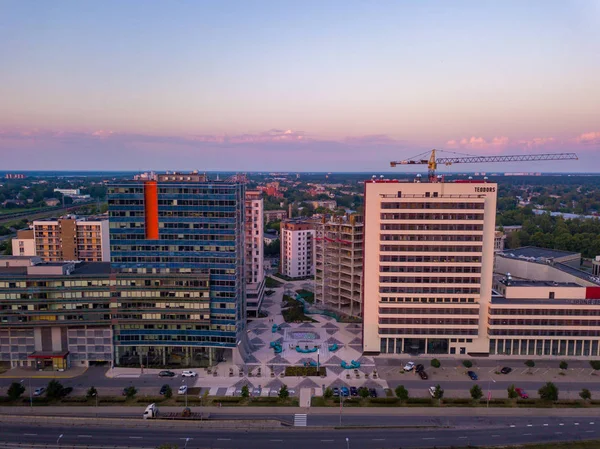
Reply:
x=576, y=423
x=545, y=425
x=592, y=422
x=30, y=434
x=84, y=436
x=561, y=424
x=529, y=425
x=512, y=425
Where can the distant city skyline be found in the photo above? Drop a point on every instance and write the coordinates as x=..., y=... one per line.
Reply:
x=296, y=86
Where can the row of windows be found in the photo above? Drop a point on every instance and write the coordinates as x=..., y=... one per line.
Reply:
x=546, y=332
x=430, y=227
x=430, y=238
x=430, y=321
x=561, y=312
x=430, y=259
x=426, y=216
x=428, y=311
x=432, y=205
x=428, y=280
x=427, y=269
x=431, y=248
x=426, y=331
x=196, y=202
x=574, y=323
x=431, y=290
x=172, y=260
x=544, y=347
x=428, y=300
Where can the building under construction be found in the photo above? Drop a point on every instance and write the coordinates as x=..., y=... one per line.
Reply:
x=339, y=259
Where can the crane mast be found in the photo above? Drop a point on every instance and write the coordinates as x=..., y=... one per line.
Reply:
x=433, y=161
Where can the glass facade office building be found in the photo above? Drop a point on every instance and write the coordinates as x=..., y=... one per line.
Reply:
x=182, y=224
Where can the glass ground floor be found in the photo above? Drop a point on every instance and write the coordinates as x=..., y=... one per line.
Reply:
x=169, y=356
x=545, y=346
x=421, y=345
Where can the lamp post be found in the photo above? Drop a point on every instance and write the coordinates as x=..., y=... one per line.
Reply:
x=58, y=439
x=489, y=391
x=347, y=443
x=30, y=392
x=186, y=442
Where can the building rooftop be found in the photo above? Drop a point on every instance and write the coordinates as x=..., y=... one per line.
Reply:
x=519, y=301
x=531, y=283
x=535, y=252
x=80, y=269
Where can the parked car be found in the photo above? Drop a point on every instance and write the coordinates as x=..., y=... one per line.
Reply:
x=506, y=370
x=336, y=392
x=419, y=368
x=472, y=375
x=409, y=366
x=432, y=392
x=345, y=392
x=166, y=374
x=182, y=390
x=163, y=389
x=423, y=375
x=189, y=374
x=373, y=392
x=522, y=393
x=353, y=391
x=39, y=391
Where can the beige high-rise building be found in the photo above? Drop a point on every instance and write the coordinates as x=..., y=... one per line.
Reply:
x=297, y=248
x=428, y=266
x=255, y=272
x=339, y=264
x=72, y=238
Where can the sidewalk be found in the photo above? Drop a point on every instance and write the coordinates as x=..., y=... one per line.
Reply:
x=30, y=373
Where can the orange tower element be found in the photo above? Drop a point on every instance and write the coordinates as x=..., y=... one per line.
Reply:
x=151, y=209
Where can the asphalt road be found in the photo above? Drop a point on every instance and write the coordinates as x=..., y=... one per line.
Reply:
x=566, y=430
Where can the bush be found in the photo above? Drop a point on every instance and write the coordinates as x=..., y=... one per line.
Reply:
x=512, y=393
x=15, y=391
x=585, y=394
x=130, y=392
x=363, y=392
x=310, y=371
x=272, y=283
x=384, y=401
x=75, y=400
x=54, y=390
x=476, y=392
x=439, y=392
x=549, y=392
x=112, y=399
x=467, y=363
x=563, y=365
x=418, y=401
x=328, y=394
x=227, y=400
x=283, y=392
x=245, y=391
x=530, y=363
x=168, y=392
x=401, y=393
x=595, y=364
x=91, y=393
x=436, y=363
x=265, y=401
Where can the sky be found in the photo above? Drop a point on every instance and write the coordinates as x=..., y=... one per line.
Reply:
x=306, y=85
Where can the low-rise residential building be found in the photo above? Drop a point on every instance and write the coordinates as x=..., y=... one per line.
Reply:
x=270, y=237
x=275, y=215
x=327, y=204
x=339, y=264
x=23, y=244
x=297, y=248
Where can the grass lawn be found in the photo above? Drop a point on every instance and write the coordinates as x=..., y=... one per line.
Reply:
x=272, y=283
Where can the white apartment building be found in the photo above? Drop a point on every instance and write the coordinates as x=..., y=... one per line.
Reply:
x=68, y=238
x=428, y=266
x=68, y=192
x=297, y=248
x=255, y=271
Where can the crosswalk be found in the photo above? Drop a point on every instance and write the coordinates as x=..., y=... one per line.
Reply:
x=300, y=420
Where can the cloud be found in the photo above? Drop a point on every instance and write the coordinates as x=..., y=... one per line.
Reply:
x=478, y=143
x=591, y=138
x=371, y=139
x=537, y=142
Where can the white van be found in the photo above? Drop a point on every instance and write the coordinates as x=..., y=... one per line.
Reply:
x=150, y=412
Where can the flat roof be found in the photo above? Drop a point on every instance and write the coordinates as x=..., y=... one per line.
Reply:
x=532, y=283
x=555, y=302
x=535, y=252
x=81, y=269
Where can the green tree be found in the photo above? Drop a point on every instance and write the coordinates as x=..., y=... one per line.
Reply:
x=595, y=364
x=91, y=393
x=168, y=392
x=530, y=363
x=549, y=392
x=585, y=394
x=563, y=365
x=401, y=392
x=15, y=391
x=130, y=392
x=328, y=393
x=283, y=392
x=467, y=363
x=363, y=392
x=436, y=363
x=438, y=393
x=245, y=391
x=512, y=393
x=54, y=390
x=476, y=392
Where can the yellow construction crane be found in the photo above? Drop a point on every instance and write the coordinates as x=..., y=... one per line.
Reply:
x=433, y=161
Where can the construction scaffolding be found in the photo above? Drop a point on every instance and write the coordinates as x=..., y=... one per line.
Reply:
x=339, y=258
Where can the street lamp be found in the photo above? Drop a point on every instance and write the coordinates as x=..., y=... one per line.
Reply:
x=186, y=442
x=59, y=437
x=347, y=443
x=489, y=391
x=30, y=392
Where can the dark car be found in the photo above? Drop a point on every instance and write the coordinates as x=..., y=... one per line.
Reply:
x=353, y=391
x=336, y=392
x=166, y=374
x=373, y=392
x=506, y=370
x=419, y=368
x=423, y=375
x=163, y=389
x=472, y=375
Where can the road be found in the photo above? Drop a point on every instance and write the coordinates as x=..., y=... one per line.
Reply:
x=149, y=437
